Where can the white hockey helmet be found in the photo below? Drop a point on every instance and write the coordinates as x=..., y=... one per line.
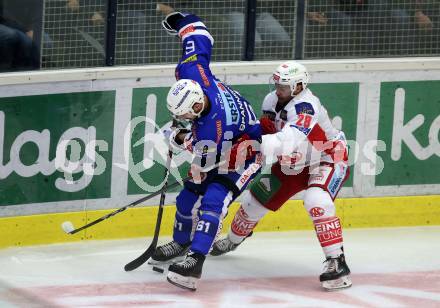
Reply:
x=182, y=97
x=291, y=73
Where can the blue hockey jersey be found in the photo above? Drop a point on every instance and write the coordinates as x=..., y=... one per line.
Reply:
x=230, y=115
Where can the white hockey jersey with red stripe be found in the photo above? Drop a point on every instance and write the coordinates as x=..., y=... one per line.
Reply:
x=304, y=131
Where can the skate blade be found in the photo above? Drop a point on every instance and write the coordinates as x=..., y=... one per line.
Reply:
x=165, y=263
x=187, y=283
x=337, y=284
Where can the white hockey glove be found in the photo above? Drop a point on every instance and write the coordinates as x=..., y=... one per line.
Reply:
x=170, y=22
x=176, y=145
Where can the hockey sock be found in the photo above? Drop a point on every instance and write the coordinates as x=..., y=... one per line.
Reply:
x=246, y=218
x=329, y=233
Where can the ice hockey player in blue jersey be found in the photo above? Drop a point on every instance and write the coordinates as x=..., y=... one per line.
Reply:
x=224, y=140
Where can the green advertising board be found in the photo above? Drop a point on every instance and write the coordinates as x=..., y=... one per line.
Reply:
x=34, y=163
x=409, y=124
x=32, y=129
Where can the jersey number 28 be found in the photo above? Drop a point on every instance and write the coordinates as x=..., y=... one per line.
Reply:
x=304, y=120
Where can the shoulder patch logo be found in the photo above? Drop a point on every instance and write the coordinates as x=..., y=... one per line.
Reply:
x=304, y=107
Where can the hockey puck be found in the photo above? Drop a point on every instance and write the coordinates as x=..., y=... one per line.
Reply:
x=158, y=269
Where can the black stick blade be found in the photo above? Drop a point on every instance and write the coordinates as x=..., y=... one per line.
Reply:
x=141, y=259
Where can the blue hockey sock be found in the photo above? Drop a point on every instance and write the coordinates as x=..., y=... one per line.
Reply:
x=205, y=233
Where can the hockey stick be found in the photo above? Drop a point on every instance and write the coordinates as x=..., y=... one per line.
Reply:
x=147, y=253
x=68, y=227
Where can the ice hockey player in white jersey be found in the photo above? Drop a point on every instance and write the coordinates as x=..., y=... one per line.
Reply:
x=311, y=157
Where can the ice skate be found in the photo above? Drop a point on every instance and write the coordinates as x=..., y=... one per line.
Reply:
x=336, y=274
x=186, y=273
x=171, y=252
x=225, y=245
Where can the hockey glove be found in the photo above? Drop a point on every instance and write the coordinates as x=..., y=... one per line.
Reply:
x=179, y=144
x=240, y=152
x=170, y=22
x=267, y=125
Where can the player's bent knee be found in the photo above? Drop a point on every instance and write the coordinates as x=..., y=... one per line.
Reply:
x=215, y=197
x=252, y=207
x=318, y=203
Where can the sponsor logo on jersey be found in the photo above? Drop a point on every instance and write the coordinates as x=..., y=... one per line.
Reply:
x=203, y=75
x=192, y=58
x=218, y=126
x=188, y=29
x=304, y=108
x=317, y=212
x=247, y=174
x=242, y=111
x=232, y=107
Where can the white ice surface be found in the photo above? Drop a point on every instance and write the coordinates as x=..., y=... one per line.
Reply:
x=263, y=258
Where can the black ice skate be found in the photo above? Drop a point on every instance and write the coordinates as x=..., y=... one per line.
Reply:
x=225, y=245
x=186, y=273
x=168, y=253
x=336, y=274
